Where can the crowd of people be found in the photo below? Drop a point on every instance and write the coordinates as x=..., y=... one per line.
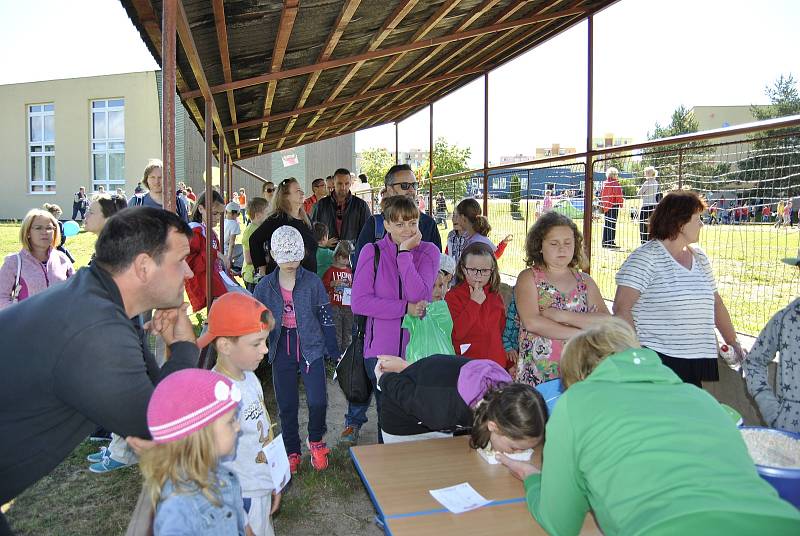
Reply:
x=313, y=269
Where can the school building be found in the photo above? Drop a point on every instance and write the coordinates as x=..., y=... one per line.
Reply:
x=59, y=135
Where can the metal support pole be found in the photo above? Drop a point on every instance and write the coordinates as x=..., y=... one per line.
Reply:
x=588, y=182
x=430, y=160
x=396, y=143
x=224, y=191
x=169, y=15
x=486, y=145
x=209, y=138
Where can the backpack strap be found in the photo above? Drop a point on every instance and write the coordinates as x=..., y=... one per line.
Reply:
x=15, y=290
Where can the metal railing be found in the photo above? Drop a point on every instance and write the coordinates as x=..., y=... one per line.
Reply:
x=757, y=165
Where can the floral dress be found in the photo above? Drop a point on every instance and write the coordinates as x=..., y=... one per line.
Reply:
x=539, y=356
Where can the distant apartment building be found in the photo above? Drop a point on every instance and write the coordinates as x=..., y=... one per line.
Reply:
x=610, y=140
x=714, y=117
x=514, y=159
x=554, y=150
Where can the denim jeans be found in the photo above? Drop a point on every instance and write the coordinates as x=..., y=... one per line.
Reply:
x=357, y=413
x=285, y=367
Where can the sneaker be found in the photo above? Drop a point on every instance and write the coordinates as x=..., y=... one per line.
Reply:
x=98, y=456
x=350, y=435
x=319, y=454
x=106, y=465
x=294, y=462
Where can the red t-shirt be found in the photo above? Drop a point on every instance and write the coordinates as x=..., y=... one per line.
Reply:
x=478, y=325
x=336, y=280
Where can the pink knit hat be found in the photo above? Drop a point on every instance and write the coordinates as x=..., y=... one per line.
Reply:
x=187, y=401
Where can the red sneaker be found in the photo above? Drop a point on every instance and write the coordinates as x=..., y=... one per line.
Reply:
x=319, y=454
x=294, y=462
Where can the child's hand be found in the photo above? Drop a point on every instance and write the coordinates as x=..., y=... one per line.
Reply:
x=276, y=503
x=519, y=469
x=417, y=309
x=477, y=294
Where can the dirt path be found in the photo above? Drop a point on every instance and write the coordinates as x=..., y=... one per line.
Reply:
x=332, y=515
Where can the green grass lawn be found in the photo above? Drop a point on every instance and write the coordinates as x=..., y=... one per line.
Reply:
x=745, y=258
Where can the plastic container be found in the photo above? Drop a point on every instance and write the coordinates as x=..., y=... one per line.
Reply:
x=786, y=481
x=550, y=391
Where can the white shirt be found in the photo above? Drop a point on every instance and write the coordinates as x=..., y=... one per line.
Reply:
x=232, y=228
x=249, y=463
x=675, y=311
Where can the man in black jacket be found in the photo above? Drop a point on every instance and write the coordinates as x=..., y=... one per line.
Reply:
x=73, y=357
x=343, y=213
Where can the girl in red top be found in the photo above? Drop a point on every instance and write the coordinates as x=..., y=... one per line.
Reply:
x=479, y=315
x=196, y=286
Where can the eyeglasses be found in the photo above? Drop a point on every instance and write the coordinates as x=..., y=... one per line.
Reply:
x=406, y=185
x=479, y=272
x=269, y=190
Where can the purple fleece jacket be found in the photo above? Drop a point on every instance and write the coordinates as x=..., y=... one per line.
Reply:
x=383, y=298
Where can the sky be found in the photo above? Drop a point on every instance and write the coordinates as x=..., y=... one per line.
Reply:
x=680, y=52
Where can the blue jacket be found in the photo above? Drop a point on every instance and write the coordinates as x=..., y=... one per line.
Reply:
x=190, y=513
x=315, y=328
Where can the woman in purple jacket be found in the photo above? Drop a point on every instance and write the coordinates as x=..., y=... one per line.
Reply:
x=406, y=272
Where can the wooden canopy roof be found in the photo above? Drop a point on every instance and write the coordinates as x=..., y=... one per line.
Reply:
x=286, y=73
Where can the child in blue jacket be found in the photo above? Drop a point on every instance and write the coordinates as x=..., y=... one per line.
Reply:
x=303, y=335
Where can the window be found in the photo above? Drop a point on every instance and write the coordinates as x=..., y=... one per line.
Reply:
x=41, y=148
x=108, y=144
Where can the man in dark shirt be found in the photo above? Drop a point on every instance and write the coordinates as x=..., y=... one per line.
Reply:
x=73, y=356
x=343, y=213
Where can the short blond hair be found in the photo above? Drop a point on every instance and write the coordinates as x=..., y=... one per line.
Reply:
x=587, y=349
x=187, y=462
x=27, y=223
x=612, y=172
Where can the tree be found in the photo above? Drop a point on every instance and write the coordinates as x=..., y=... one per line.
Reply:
x=691, y=164
x=449, y=159
x=772, y=163
x=516, y=195
x=375, y=162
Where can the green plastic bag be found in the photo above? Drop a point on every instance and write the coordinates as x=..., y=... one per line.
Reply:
x=431, y=334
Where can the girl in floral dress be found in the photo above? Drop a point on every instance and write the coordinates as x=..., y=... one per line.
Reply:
x=554, y=299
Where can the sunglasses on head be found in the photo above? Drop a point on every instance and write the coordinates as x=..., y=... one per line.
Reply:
x=406, y=185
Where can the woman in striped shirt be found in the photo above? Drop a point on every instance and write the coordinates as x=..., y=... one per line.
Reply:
x=666, y=291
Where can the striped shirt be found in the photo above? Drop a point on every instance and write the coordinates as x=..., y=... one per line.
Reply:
x=675, y=311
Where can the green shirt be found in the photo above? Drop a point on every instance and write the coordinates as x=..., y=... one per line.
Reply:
x=324, y=260
x=649, y=454
x=248, y=271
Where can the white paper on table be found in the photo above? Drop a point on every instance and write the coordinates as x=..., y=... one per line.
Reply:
x=346, y=294
x=275, y=451
x=465, y=347
x=459, y=498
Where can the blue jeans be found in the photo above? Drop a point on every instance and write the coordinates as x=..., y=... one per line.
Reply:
x=285, y=367
x=357, y=413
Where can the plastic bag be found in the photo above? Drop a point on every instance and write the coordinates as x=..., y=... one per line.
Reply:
x=431, y=334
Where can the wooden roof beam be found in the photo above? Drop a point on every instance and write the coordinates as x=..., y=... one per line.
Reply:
x=429, y=25
x=520, y=37
x=391, y=51
x=151, y=25
x=389, y=25
x=370, y=94
x=225, y=58
x=288, y=16
x=348, y=10
x=508, y=13
x=332, y=125
x=189, y=47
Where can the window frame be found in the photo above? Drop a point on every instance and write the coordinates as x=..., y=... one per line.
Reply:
x=106, y=150
x=43, y=144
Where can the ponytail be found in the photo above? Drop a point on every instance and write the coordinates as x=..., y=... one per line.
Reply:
x=481, y=225
x=471, y=209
